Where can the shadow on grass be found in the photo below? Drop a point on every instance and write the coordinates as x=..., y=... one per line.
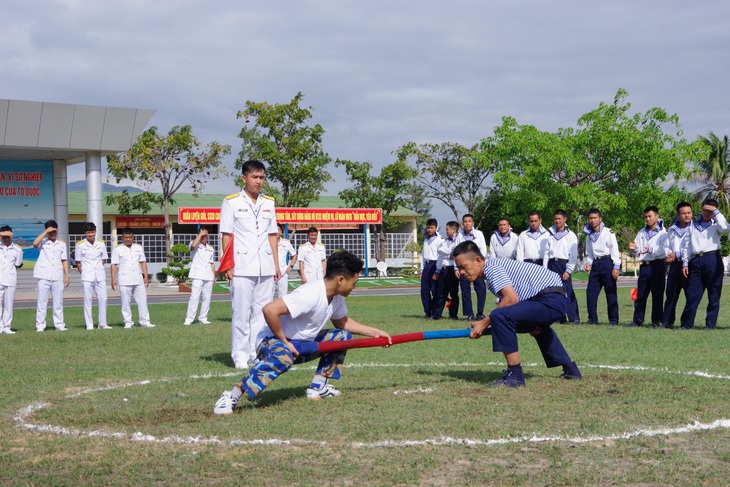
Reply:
x=482, y=377
x=222, y=358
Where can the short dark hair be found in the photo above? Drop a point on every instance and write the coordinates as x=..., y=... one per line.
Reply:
x=343, y=263
x=432, y=222
x=6, y=228
x=127, y=231
x=312, y=230
x=89, y=227
x=562, y=213
x=453, y=224
x=468, y=215
x=595, y=211
x=651, y=208
x=51, y=223
x=534, y=213
x=467, y=248
x=710, y=201
x=503, y=219
x=252, y=165
x=683, y=204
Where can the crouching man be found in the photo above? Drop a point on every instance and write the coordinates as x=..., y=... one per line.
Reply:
x=295, y=324
x=531, y=298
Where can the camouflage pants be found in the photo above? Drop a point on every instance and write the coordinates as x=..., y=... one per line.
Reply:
x=275, y=358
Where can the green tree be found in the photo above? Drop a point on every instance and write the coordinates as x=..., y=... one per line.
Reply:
x=416, y=201
x=388, y=191
x=613, y=160
x=172, y=161
x=292, y=150
x=713, y=170
x=451, y=173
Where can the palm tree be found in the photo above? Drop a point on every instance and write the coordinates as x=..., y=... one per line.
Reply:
x=714, y=171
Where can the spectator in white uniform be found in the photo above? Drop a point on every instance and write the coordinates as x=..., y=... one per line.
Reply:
x=91, y=255
x=285, y=249
x=248, y=222
x=312, y=258
x=503, y=243
x=11, y=259
x=202, y=274
x=51, y=271
x=129, y=274
x=532, y=243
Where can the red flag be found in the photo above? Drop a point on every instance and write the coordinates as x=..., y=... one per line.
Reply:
x=634, y=293
x=227, y=262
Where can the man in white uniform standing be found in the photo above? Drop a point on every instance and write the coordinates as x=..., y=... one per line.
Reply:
x=11, y=259
x=91, y=255
x=533, y=242
x=51, y=271
x=312, y=258
x=248, y=222
x=285, y=248
x=129, y=265
x=202, y=273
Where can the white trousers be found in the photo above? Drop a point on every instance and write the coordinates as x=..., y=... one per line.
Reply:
x=98, y=287
x=200, y=289
x=282, y=285
x=7, y=298
x=140, y=297
x=54, y=289
x=248, y=296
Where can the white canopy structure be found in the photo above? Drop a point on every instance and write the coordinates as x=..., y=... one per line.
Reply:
x=69, y=134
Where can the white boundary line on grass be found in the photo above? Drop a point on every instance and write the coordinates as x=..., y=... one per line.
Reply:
x=23, y=415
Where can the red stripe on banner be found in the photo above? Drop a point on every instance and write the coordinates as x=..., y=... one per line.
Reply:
x=326, y=347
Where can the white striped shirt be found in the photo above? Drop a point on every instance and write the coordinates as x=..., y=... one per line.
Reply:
x=527, y=279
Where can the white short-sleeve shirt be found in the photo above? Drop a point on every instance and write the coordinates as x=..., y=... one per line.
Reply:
x=10, y=258
x=309, y=312
x=129, y=260
x=51, y=255
x=202, y=257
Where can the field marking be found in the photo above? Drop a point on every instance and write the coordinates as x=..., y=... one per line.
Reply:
x=23, y=415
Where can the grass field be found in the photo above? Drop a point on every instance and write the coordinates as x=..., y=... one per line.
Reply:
x=133, y=407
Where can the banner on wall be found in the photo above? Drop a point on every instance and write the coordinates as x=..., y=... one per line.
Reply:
x=26, y=200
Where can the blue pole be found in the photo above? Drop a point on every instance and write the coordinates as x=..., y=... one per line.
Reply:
x=367, y=250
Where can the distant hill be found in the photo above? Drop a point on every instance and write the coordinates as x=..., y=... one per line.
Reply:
x=105, y=187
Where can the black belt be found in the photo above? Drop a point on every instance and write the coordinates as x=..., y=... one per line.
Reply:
x=602, y=257
x=700, y=254
x=429, y=261
x=534, y=261
x=649, y=262
x=551, y=290
x=558, y=260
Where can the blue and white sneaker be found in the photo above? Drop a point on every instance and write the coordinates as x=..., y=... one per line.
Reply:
x=225, y=404
x=325, y=392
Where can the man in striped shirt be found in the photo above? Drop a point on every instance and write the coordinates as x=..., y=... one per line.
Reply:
x=531, y=298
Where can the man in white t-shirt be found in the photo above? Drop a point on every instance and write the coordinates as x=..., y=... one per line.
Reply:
x=202, y=274
x=312, y=258
x=295, y=325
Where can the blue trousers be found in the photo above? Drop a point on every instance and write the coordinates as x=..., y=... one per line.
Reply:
x=559, y=267
x=705, y=272
x=429, y=291
x=447, y=286
x=651, y=281
x=601, y=278
x=676, y=283
x=480, y=288
x=523, y=317
x=275, y=358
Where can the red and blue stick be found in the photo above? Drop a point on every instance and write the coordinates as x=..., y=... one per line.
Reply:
x=336, y=346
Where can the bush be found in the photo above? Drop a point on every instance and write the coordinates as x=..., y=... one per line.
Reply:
x=179, y=259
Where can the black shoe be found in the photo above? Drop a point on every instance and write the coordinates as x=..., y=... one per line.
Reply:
x=571, y=372
x=633, y=323
x=436, y=317
x=685, y=327
x=453, y=318
x=470, y=318
x=656, y=325
x=427, y=316
x=668, y=326
x=480, y=317
x=511, y=378
x=613, y=323
x=576, y=322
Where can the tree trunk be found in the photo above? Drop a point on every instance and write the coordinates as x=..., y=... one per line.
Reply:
x=168, y=228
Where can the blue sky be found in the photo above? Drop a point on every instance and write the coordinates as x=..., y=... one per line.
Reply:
x=378, y=74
